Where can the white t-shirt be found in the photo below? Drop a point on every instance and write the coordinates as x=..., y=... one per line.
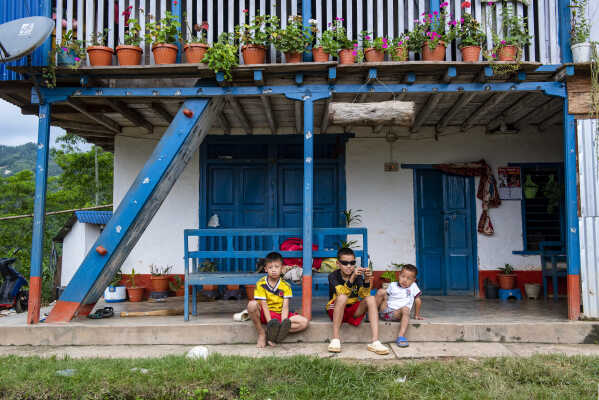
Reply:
x=399, y=297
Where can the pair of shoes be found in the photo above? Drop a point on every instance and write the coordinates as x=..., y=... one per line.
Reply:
x=402, y=341
x=241, y=316
x=378, y=348
x=335, y=346
x=277, y=331
x=105, y=312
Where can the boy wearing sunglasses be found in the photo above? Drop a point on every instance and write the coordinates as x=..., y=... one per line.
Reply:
x=350, y=299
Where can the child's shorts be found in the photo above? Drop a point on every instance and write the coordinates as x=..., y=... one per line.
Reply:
x=348, y=315
x=273, y=315
x=387, y=314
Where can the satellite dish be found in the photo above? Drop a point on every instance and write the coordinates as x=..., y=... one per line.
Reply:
x=20, y=37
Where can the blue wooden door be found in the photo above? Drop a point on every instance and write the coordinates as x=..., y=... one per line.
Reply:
x=445, y=232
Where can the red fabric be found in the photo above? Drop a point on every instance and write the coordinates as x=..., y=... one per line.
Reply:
x=296, y=244
x=348, y=315
x=273, y=315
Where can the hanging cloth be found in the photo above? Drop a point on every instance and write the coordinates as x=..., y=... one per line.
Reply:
x=487, y=189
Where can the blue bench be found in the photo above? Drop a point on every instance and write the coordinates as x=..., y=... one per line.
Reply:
x=236, y=252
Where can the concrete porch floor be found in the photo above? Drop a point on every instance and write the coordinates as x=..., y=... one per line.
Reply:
x=447, y=319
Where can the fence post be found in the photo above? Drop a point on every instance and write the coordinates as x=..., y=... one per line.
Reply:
x=564, y=30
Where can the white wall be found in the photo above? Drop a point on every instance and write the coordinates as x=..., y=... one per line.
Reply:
x=162, y=242
x=388, y=201
x=75, y=246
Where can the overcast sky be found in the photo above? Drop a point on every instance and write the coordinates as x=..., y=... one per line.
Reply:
x=16, y=128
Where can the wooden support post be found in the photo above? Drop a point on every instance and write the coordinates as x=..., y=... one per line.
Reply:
x=332, y=77
x=449, y=75
x=222, y=119
x=298, y=116
x=240, y=114
x=483, y=109
x=269, y=114
x=324, y=122
x=132, y=115
x=462, y=101
x=409, y=78
x=484, y=74
x=161, y=110
x=424, y=113
x=563, y=73
x=107, y=123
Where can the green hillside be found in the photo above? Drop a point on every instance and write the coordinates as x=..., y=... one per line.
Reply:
x=18, y=158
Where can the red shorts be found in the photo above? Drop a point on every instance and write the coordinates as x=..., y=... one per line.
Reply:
x=273, y=315
x=348, y=315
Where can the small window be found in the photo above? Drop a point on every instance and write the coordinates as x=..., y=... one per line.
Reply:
x=542, y=204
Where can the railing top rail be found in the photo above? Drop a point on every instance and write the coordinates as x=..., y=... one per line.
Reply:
x=270, y=231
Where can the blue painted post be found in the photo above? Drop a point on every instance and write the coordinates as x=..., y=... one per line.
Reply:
x=308, y=198
x=306, y=16
x=177, y=13
x=572, y=235
x=434, y=5
x=39, y=210
x=46, y=11
x=564, y=30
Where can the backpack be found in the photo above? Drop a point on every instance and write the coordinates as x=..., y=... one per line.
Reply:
x=296, y=244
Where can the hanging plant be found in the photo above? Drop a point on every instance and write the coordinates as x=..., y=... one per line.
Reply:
x=69, y=53
x=553, y=192
x=530, y=188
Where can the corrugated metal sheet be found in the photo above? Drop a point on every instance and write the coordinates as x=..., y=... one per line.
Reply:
x=15, y=9
x=588, y=166
x=94, y=217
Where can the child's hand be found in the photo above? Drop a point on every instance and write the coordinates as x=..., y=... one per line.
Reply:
x=418, y=317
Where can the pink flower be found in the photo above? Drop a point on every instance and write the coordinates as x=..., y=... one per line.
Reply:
x=130, y=7
x=65, y=49
x=493, y=55
x=77, y=59
x=503, y=42
x=355, y=44
x=490, y=3
x=399, y=43
x=354, y=53
x=415, y=20
x=385, y=45
x=367, y=37
x=430, y=16
x=452, y=23
x=436, y=13
x=245, y=11
x=466, y=4
x=461, y=20
x=444, y=4
x=175, y=2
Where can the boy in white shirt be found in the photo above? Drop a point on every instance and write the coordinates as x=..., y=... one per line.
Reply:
x=398, y=299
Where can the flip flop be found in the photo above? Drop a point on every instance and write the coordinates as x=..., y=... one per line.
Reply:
x=284, y=330
x=272, y=330
x=402, y=341
x=105, y=312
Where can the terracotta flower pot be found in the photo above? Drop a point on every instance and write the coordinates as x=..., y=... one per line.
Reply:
x=319, y=55
x=249, y=291
x=346, y=57
x=508, y=53
x=194, y=52
x=436, y=54
x=180, y=292
x=136, y=294
x=159, y=283
x=293, y=57
x=209, y=288
x=401, y=53
x=232, y=287
x=128, y=55
x=253, y=54
x=506, y=281
x=100, y=55
x=374, y=55
x=470, y=53
x=165, y=53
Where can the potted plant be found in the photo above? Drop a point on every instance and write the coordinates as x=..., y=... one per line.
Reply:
x=399, y=48
x=580, y=32
x=129, y=53
x=208, y=266
x=177, y=286
x=318, y=53
x=100, y=54
x=115, y=292
x=196, y=45
x=71, y=51
x=390, y=275
x=163, y=34
x=334, y=42
x=506, y=277
x=135, y=293
x=374, y=48
x=515, y=35
x=159, y=278
x=431, y=35
x=470, y=36
x=255, y=36
x=222, y=56
x=293, y=40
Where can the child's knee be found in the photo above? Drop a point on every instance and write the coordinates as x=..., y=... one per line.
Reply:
x=405, y=311
x=252, y=306
x=341, y=299
x=370, y=300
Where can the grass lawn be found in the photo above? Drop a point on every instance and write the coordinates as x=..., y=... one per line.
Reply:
x=539, y=377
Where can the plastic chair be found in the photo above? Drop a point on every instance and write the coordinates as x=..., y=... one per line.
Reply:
x=553, y=263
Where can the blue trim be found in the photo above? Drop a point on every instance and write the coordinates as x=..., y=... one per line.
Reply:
x=474, y=233
x=570, y=173
x=177, y=12
x=563, y=12
x=39, y=202
x=548, y=68
x=419, y=166
x=306, y=16
x=435, y=5
x=527, y=252
x=47, y=46
x=308, y=184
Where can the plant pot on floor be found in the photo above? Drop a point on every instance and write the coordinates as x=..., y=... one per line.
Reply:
x=100, y=56
x=194, y=52
x=532, y=290
x=581, y=52
x=136, y=294
x=508, y=53
x=470, y=53
x=506, y=281
x=346, y=57
x=293, y=57
x=249, y=291
x=319, y=55
x=159, y=283
x=115, y=294
x=165, y=53
x=180, y=292
x=128, y=55
x=374, y=55
x=253, y=54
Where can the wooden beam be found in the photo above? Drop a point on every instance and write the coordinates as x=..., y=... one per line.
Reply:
x=409, y=77
x=82, y=126
x=483, y=109
x=33, y=109
x=106, y=122
x=269, y=114
x=552, y=120
x=224, y=122
x=298, y=116
x=424, y=113
x=563, y=73
x=461, y=102
x=91, y=134
x=372, y=114
x=545, y=110
x=161, y=110
x=449, y=75
x=132, y=115
x=240, y=114
x=324, y=121
x=484, y=74
x=513, y=112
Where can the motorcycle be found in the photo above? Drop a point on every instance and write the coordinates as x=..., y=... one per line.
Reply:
x=12, y=294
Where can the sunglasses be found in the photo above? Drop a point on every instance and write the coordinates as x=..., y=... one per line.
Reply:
x=346, y=263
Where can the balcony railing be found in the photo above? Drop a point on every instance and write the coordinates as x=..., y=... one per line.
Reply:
x=382, y=17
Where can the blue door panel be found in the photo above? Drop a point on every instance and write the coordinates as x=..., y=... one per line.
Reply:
x=222, y=183
x=457, y=230
x=455, y=193
x=429, y=276
x=254, y=185
x=431, y=234
x=459, y=273
x=430, y=195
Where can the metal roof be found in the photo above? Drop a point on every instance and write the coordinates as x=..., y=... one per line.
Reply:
x=93, y=217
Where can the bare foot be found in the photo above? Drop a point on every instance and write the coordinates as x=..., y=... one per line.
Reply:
x=418, y=317
x=271, y=343
x=261, y=340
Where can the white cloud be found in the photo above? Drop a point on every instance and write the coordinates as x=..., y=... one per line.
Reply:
x=16, y=128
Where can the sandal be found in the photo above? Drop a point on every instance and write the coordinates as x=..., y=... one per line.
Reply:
x=283, y=330
x=402, y=341
x=105, y=312
x=272, y=330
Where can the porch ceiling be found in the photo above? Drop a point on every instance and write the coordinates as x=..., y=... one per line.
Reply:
x=99, y=119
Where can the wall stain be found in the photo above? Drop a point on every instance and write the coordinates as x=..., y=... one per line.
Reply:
x=593, y=336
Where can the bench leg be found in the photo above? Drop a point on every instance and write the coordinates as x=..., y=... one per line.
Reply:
x=186, y=303
x=544, y=287
x=554, y=282
x=194, y=300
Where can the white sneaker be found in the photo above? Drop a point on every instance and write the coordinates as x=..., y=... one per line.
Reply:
x=378, y=348
x=335, y=346
x=241, y=316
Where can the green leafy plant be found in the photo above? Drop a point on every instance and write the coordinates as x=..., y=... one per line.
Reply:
x=352, y=217
x=397, y=44
x=377, y=43
x=99, y=39
x=133, y=33
x=118, y=277
x=68, y=46
x=157, y=270
x=208, y=266
x=177, y=284
x=259, y=31
x=223, y=56
x=197, y=34
x=294, y=38
x=335, y=39
x=469, y=31
x=164, y=30
x=580, y=31
x=432, y=30
x=349, y=244
x=553, y=192
x=132, y=278
x=513, y=28
x=390, y=275
x=507, y=269
x=314, y=33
